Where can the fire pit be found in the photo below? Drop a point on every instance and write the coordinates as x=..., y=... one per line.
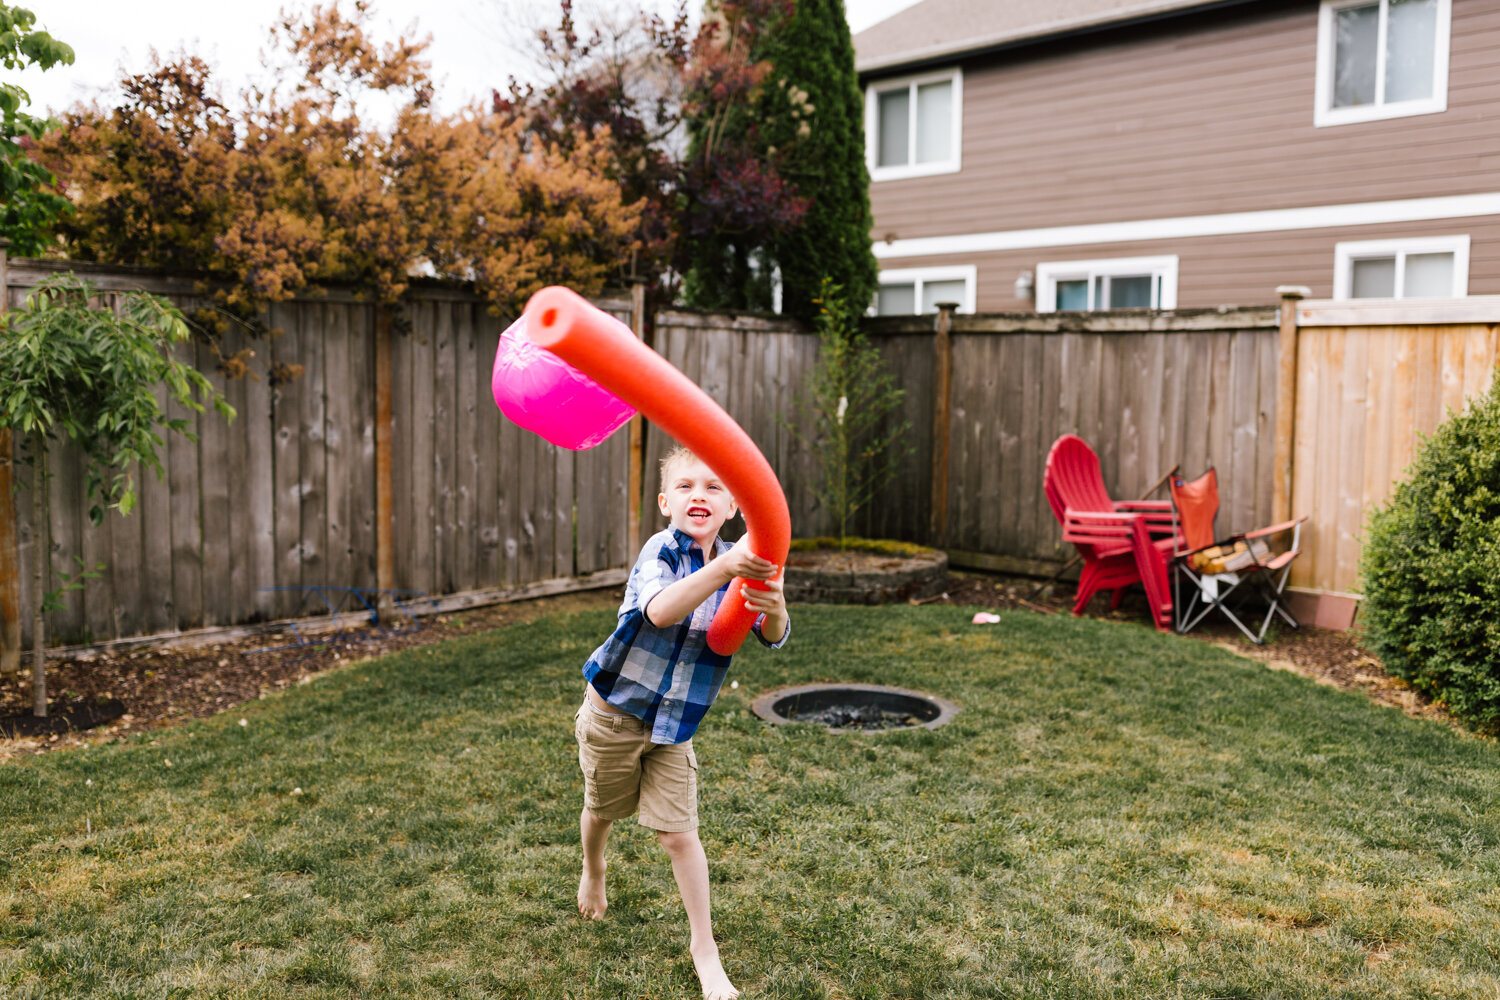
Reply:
x=858, y=708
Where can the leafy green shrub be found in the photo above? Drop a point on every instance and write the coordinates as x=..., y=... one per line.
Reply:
x=1431, y=567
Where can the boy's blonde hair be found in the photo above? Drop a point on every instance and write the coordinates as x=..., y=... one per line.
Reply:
x=677, y=454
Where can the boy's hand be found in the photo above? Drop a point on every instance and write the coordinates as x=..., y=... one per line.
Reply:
x=740, y=561
x=771, y=601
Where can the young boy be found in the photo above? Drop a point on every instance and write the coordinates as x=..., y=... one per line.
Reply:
x=650, y=683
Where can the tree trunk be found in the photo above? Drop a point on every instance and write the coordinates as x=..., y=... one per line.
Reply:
x=10, y=564
x=40, y=558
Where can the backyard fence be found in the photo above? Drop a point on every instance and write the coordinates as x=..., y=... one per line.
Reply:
x=1367, y=379
x=385, y=464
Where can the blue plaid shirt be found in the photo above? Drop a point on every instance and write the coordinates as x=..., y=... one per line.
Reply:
x=667, y=677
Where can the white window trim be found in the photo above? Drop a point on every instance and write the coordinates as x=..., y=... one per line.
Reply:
x=1049, y=273
x=1323, y=111
x=918, y=276
x=1345, y=254
x=872, y=116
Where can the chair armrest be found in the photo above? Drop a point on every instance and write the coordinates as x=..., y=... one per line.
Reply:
x=1144, y=506
x=1095, y=527
x=1273, y=529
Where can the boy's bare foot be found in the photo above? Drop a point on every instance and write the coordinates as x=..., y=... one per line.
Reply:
x=591, y=901
x=711, y=974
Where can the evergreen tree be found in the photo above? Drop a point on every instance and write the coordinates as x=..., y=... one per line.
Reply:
x=807, y=125
x=815, y=112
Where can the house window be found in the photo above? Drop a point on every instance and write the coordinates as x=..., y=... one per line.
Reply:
x=1381, y=59
x=1124, y=283
x=915, y=291
x=912, y=125
x=1436, y=268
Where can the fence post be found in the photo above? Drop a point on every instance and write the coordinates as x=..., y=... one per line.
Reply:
x=1286, y=402
x=385, y=531
x=942, y=383
x=637, y=473
x=10, y=555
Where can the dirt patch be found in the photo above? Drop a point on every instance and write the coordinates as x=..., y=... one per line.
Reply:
x=160, y=687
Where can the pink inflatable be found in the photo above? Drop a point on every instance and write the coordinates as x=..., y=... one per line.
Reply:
x=544, y=394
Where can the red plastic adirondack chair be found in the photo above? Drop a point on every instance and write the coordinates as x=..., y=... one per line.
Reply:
x=1121, y=541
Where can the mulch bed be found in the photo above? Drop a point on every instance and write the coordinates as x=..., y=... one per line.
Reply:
x=100, y=698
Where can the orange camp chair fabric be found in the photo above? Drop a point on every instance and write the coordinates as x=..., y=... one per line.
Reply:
x=1197, y=506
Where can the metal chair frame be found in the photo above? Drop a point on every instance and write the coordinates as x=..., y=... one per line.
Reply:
x=1205, y=593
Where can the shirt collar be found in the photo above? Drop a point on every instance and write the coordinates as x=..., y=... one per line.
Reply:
x=685, y=542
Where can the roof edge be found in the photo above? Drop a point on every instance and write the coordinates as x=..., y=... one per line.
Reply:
x=1138, y=14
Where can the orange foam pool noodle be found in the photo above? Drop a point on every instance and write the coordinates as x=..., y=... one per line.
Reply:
x=588, y=339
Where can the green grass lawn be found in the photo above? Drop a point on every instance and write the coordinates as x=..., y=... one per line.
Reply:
x=1113, y=813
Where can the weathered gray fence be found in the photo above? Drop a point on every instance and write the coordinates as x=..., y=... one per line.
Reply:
x=1147, y=391
x=286, y=495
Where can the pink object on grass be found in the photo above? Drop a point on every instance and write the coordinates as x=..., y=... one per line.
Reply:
x=985, y=618
x=541, y=392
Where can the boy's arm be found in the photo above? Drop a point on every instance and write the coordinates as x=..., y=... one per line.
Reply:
x=681, y=598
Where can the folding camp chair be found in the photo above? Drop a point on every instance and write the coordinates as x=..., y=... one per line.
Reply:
x=1211, y=573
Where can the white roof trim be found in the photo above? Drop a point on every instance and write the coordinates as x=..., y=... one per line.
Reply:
x=1182, y=227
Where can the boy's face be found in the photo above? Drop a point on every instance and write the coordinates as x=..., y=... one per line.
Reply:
x=696, y=501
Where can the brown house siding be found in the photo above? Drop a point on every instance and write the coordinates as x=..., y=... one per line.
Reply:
x=1229, y=270
x=1202, y=115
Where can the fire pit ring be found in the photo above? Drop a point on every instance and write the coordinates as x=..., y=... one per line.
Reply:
x=854, y=708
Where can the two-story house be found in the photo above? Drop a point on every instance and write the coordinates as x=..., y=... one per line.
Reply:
x=1095, y=154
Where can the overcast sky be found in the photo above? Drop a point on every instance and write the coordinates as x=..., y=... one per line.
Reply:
x=471, y=41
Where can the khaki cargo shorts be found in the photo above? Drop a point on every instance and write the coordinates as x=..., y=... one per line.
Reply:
x=623, y=769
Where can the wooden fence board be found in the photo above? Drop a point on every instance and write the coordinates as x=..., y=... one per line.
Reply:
x=1350, y=444
x=125, y=566
x=287, y=414
x=468, y=443
x=362, y=481
x=155, y=512
x=444, y=450
x=340, y=435
x=313, y=494
x=1265, y=439
x=424, y=446
x=218, y=446
x=488, y=566
x=403, y=503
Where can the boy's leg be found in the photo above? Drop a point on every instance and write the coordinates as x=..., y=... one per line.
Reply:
x=609, y=751
x=595, y=834
x=690, y=868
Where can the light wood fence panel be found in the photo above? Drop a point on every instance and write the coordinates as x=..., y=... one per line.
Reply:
x=1372, y=378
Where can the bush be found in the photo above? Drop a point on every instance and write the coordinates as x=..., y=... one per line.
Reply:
x=1431, y=568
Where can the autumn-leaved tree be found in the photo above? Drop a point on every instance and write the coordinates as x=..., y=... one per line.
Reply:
x=634, y=85
x=296, y=186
